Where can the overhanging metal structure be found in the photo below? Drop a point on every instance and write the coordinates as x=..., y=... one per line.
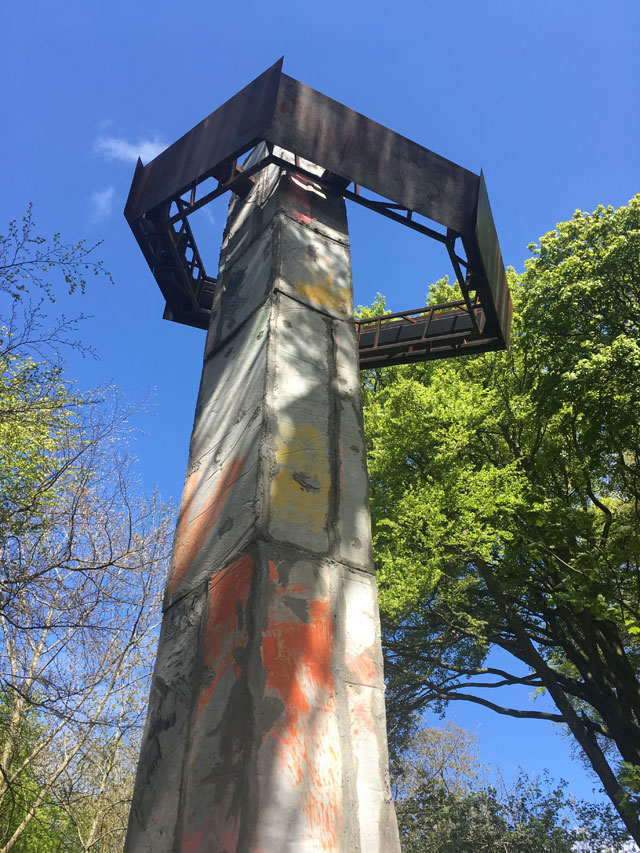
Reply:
x=355, y=153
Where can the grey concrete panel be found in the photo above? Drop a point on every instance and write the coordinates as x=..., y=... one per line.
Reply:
x=301, y=468
x=315, y=270
x=353, y=518
x=251, y=222
x=154, y=816
x=362, y=650
x=303, y=351
x=220, y=507
x=232, y=388
x=347, y=369
x=366, y=712
x=220, y=527
x=376, y=814
x=245, y=285
x=353, y=522
x=216, y=815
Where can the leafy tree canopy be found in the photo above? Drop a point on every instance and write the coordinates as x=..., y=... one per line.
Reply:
x=82, y=561
x=505, y=503
x=447, y=801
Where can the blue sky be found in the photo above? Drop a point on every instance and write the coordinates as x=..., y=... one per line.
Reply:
x=543, y=96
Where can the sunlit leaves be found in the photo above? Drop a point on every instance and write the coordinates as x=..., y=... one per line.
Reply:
x=27, y=261
x=522, y=468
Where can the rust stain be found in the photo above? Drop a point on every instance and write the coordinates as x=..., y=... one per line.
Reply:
x=228, y=591
x=298, y=757
x=191, y=535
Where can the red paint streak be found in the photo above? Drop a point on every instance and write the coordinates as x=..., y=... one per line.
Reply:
x=191, y=842
x=216, y=836
x=227, y=589
x=298, y=756
x=299, y=199
x=191, y=535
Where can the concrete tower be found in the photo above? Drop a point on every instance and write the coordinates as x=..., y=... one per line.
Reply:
x=266, y=725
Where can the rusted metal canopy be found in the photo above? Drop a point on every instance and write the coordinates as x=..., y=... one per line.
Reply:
x=352, y=150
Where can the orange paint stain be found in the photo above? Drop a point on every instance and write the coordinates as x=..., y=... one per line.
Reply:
x=362, y=721
x=363, y=667
x=191, y=535
x=228, y=593
x=274, y=574
x=290, y=647
x=298, y=754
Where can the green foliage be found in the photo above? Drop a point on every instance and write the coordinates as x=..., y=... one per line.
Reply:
x=82, y=560
x=506, y=501
x=40, y=421
x=448, y=802
x=29, y=262
x=377, y=307
x=38, y=413
x=453, y=504
x=50, y=831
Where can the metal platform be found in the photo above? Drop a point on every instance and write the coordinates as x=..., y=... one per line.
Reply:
x=423, y=334
x=412, y=185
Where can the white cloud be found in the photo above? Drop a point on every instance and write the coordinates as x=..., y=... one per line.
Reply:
x=209, y=216
x=114, y=148
x=102, y=203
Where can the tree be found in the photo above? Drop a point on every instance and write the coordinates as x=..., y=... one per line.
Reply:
x=446, y=800
x=505, y=503
x=83, y=554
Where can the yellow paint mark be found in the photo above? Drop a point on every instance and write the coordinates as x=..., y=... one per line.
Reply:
x=321, y=289
x=325, y=293
x=300, y=489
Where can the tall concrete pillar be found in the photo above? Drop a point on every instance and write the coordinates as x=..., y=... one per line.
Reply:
x=266, y=724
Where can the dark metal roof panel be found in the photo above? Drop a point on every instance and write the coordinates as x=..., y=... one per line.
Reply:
x=489, y=247
x=359, y=149
x=228, y=131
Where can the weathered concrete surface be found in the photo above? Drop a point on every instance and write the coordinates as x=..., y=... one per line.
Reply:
x=266, y=727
